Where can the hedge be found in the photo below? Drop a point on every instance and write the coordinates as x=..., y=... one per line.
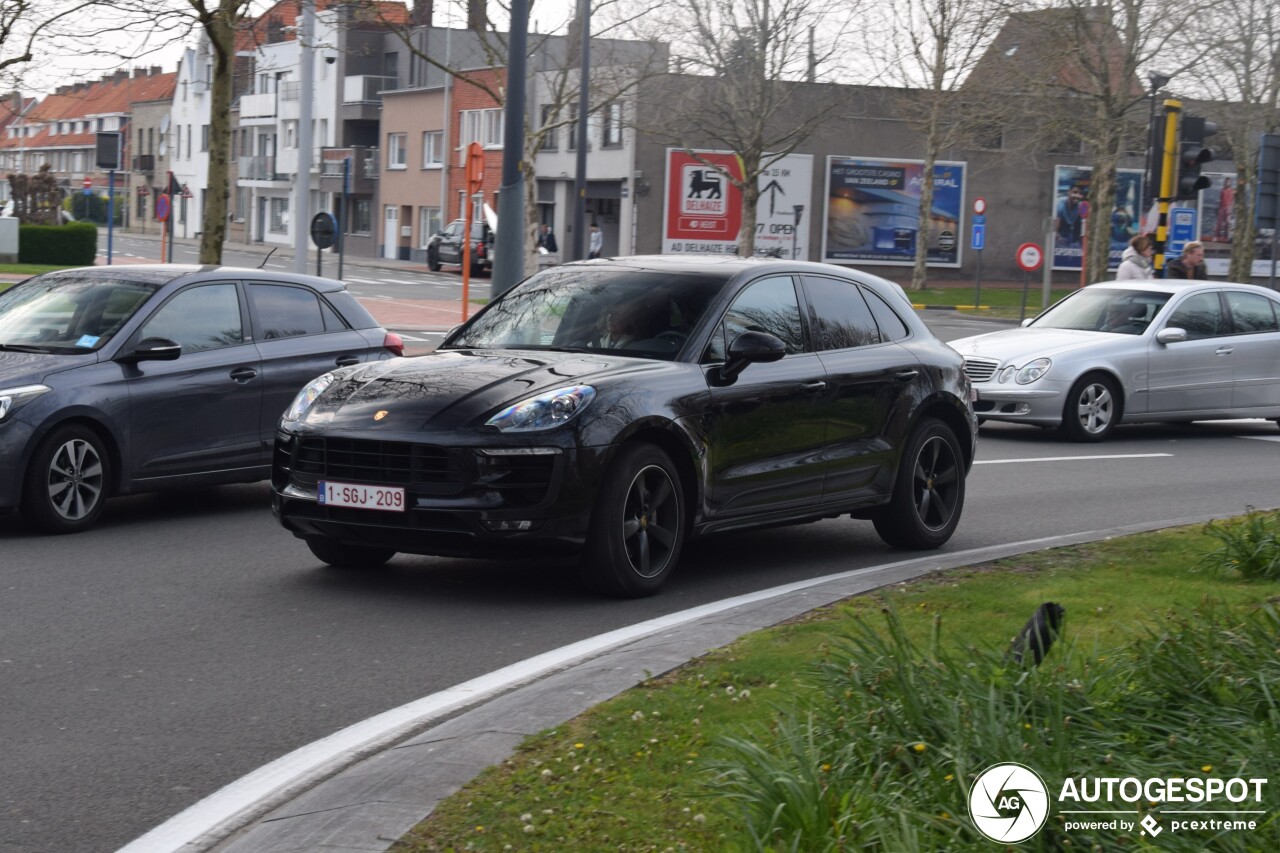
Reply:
x=74, y=244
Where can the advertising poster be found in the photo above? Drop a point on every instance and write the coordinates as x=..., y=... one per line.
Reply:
x=873, y=212
x=1218, y=227
x=704, y=210
x=1072, y=204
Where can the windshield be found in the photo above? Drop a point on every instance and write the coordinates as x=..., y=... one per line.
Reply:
x=1121, y=312
x=67, y=313
x=642, y=313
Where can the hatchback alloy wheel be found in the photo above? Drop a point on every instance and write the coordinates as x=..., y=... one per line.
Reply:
x=928, y=495
x=650, y=521
x=67, y=481
x=75, y=479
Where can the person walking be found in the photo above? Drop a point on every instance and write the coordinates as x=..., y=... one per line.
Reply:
x=547, y=239
x=596, y=245
x=1135, y=263
x=1190, y=264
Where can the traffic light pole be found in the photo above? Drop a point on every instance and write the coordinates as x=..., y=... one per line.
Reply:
x=1172, y=111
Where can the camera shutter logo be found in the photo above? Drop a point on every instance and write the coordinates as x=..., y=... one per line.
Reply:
x=1008, y=803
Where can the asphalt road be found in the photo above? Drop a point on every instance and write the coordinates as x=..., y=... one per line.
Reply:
x=188, y=640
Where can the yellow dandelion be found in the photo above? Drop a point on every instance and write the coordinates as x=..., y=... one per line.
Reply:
x=948, y=777
x=919, y=747
x=1208, y=768
x=579, y=746
x=826, y=768
x=479, y=829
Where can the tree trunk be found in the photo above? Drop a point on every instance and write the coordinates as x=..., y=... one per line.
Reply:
x=222, y=39
x=920, y=269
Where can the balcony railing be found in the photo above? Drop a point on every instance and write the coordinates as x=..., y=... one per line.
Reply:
x=366, y=89
x=260, y=167
x=364, y=162
x=258, y=106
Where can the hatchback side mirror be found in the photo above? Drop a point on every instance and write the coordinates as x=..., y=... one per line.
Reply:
x=1171, y=335
x=152, y=349
x=751, y=348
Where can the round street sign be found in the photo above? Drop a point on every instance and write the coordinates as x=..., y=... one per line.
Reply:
x=162, y=207
x=947, y=241
x=88, y=182
x=324, y=229
x=979, y=205
x=1030, y=257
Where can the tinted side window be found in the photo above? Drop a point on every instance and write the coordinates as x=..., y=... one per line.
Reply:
x=892, y=327
x=1200, y=315
x=332, y=322
x=285, y=312
x=1251, y=312
x=839, y=315
x=200, y=318
x=769, y=305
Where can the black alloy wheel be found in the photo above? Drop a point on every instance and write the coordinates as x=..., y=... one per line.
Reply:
x=638, y=527
x=67, y=482
x=928, y=493
x=433, y=259
x=341, y=555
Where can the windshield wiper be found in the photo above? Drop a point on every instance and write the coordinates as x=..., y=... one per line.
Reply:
x=21, y=348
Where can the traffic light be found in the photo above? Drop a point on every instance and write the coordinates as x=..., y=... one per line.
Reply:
x=1192, y=154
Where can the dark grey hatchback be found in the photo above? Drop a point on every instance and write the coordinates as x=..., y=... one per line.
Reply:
x=126, y=379
x=615, y=407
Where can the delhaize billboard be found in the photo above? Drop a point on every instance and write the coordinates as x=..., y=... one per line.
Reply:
x=704, y=209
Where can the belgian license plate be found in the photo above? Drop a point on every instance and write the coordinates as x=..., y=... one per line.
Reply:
x=387, y=498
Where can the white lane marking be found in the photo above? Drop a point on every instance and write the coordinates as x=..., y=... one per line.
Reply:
x=1071, y=458
x=362, y=280
x=392, y=280
x=1262, y=437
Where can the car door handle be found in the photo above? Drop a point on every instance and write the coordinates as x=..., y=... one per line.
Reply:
x=1225, y=350
x=906, y=375
x=243, y=374
x=346, y=360
x=810, y=387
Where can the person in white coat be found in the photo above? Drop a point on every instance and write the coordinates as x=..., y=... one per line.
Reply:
x=1135, y=263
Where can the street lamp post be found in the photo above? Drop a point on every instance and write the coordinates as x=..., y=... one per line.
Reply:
x=795, y=232
x=1150, y=191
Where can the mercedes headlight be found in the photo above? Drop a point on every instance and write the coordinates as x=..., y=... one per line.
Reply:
x=308, y=395
x=12, y=398
x=545, y=411
x=1032, y=370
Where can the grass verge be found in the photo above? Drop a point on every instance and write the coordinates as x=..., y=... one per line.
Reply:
x=1003, y=302
x=852, y=730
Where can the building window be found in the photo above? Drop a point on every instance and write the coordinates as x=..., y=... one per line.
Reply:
x=204, y=137
x=612, y=131
x=432, y=149
x=550, y=136
x=361, y=216
x=189, y=135
x=429, y=223
x=396, y=151
x=494, y=121
x=572, y=143
x=279, y=215
x=242, y=203
x=290, y=134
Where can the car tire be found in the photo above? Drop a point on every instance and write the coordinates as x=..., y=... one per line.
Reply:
x=433, y=260
x=638, y=526
x=928, y=490
x=68, y=481
x=342, y=555
x=1092, y=410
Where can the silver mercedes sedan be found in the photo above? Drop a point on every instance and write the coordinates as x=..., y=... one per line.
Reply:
x=1129, y=352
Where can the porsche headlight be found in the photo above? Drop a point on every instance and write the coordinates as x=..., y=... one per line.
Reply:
x=545, y=411
x=1032, y=370
x=12, y=398
x=308, y=395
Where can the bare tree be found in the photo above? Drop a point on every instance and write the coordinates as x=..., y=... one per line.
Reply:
x=930, y=47
x=29, y=28
x=1241, y=72
x=746, y=63
x=1082, y=62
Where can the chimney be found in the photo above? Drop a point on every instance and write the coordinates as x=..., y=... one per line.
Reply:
x=62, y=90
x=422, y=13
x=477, y=15
x=121, y=75
x=155, y=69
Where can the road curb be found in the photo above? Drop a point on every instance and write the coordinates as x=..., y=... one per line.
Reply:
x=364, y=787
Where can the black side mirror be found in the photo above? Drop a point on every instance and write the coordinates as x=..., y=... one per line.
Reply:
x=152, y=349
x=751, y=348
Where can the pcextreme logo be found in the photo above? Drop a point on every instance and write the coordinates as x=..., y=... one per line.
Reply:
x=1010, y=802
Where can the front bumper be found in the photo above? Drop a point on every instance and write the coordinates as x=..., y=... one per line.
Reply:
x=16, y=436
x=470, y=500
x=1041, y=406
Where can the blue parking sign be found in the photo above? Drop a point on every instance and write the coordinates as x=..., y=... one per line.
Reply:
x=979, y=236
x=1182, y=229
